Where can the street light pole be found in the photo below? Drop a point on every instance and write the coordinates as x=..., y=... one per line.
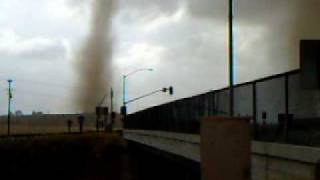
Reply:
x=124, y=86
x=9, y=105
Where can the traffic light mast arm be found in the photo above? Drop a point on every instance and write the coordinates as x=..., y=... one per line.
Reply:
x=143, y=96
x=170, y=89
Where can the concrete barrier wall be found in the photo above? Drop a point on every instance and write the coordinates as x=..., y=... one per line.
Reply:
x=281, y=161
x=269, y=161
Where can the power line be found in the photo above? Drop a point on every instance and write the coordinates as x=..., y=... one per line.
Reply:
x=26, y=80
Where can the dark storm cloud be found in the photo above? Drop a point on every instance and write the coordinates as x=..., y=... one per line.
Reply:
x=144, y=11
x=16, y=47
x=148, y=10
x=268, y=34
x=52, y=52
x=157, y=6
x=208, y=9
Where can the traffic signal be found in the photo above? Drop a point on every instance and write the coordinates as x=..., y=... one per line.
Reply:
x=171, y=90
x=123, y=110
x=98, y=111
x=113, y=115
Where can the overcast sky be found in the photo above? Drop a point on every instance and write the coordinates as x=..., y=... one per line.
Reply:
x=184, y=41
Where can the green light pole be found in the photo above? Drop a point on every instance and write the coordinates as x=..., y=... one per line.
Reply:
x=9, y=105
x=124, y=79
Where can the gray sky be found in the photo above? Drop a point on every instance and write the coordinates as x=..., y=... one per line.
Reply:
x=185, y=41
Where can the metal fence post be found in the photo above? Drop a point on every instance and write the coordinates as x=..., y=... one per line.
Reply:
x=286, y=88
x=254, y=108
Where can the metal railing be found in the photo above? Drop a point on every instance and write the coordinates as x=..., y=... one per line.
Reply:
x=274, y=105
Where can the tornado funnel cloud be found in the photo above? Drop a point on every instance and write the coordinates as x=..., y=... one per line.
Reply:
x=94, y=59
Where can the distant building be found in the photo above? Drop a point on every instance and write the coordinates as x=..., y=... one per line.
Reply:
x=18, y=113
x=34, y=113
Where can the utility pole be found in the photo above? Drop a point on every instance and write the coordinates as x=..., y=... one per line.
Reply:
x=111, y=100
x=231, y=58
x=124, y=108
x=9, y=105
x=124, y=89
x=112, y=114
